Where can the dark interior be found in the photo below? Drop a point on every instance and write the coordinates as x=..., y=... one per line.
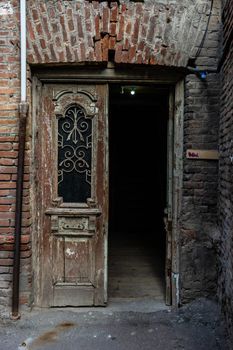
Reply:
x=138, y=163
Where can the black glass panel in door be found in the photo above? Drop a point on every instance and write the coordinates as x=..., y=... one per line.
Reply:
x=74, y=155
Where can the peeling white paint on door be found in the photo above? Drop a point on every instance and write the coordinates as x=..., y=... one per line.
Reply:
x=69, y=252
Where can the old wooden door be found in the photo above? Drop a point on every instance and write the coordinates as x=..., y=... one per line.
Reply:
x=71, y=189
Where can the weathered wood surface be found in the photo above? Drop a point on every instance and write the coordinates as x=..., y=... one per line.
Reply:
x=71, y=238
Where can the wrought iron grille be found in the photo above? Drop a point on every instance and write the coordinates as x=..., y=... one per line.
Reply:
x=74, y=155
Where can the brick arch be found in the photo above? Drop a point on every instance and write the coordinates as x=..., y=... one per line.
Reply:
x=141, y=33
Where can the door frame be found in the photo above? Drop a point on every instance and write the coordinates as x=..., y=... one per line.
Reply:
x=132, y=75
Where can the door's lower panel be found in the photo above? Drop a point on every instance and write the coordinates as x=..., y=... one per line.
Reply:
x=73, y=295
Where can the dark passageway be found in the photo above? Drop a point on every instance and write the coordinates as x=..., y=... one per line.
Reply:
x=138, y=147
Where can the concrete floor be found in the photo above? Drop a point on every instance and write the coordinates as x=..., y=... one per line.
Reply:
x=136, y=317
x=117, y=327
x=136, y=269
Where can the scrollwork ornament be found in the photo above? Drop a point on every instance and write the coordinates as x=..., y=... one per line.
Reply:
x=74, y=144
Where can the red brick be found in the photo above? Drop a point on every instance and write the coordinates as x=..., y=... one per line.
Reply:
x=121, y=28
x=82, y=52
x=141, y=45
x=6, y=255
x=118, y=53
x=112, y=29
x=30, y=31
x=128, y=28
x=7, y=200
x=97, y=28
x=139, y=58
x=42, y=7
x=153, y=59
x=60, y=7
x=64, y=32
x=6, y=239
x=136, y=31
x=87, y=12
x=7, y=215
x=26, y=254
x=106, y=14
x=10, y=122
x=105, y=44
x=5, y=177
x=55, y=27
x=25, y=239
x=53, y=54
x=6, y=262
x=8, y=154
x=90, y=42
x=5, y=161
x=10, y=107
x=37, y=53
x=146, y=55
x=30, y=58
x=61, y=56
x=139, y=9
x=4, y=222
x=114, y=12
x=7, y=185
x=6, y=230
x=35, y=15
x=80, y=28
x=71, y=25
x=43, y=43
x=98, y=51
x=7, y=192
x=132, y=54
x=39, y=29
x=25, y=248
x=7, y=91
x=123, y=8
x=112, y=43
x=126, y=44
x=5, y=207
x=26, y=177
x=124, y=56
x=8, y=169
x=8, y=75
x=152, y=28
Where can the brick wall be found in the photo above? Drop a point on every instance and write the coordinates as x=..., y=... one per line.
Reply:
x=141, y=33
x=199, y=230
x=198, y=260
x=153, y=33
x=225, y=170
x=9, y=99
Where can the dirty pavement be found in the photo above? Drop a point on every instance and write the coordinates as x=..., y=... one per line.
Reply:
x=123, y=326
